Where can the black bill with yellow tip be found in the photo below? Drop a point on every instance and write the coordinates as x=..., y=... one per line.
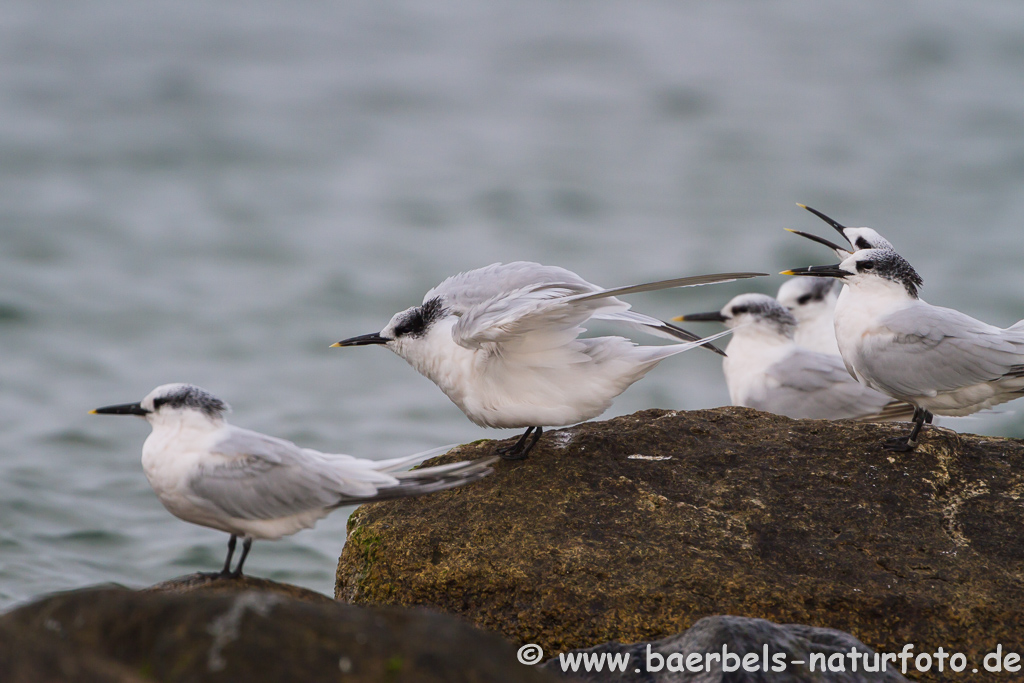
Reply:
x=362, y=340
x=713, y=317
x=121, y=409
x=819, y=271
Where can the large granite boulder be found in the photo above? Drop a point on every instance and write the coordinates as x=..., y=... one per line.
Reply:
x=115, y=635
x=635, y=528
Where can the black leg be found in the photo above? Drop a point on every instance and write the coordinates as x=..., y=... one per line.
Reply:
x=517, y=451
x=908, y=443
x=533, y=441
x=246, y=545
x=231, y=551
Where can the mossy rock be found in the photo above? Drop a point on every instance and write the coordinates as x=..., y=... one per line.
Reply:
x=635, y=528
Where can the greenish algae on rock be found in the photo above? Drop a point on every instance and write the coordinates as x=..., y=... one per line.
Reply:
x=635, y=528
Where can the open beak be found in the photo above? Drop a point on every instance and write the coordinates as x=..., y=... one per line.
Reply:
x=362, y=340
x=714, y=317
x=839, y=227
x=121, y=409
x=820, y=271
x=841, y=251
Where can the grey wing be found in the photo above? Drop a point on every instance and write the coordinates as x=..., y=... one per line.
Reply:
x=818, y=386
x=541, y=311
x=268, y=478
x=928, y=349
x=559, y=306
x=475, y=287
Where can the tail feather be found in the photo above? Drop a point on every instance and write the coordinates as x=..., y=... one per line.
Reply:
x=393, y=464
x=429, y=480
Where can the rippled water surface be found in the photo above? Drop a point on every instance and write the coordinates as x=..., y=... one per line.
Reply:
x=215, y=192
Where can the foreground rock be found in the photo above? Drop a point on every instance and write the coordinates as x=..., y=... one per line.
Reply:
x=113, y=635
x=791, y=652
x=635, y=528
x=213, y=583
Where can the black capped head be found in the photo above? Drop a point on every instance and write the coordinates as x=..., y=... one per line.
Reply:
x=747, y=309
x=805, y=292
x=412, y=323
x=759, y=309
x=885, y=264
x=170, y=397
x=184, y=397
x=415, y=322
x=867, y=238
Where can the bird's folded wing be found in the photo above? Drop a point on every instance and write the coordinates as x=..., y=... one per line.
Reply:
x=537, y=317
x=926, y=349
x=552, y=311
x=819, y=384
x=262, y=477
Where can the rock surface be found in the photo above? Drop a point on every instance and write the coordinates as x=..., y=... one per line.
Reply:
x=212, y=583
x=788, y=660
x=113, y=635
x=635, y=528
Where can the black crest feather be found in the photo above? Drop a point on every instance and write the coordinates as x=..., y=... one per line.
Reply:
x=189, y=396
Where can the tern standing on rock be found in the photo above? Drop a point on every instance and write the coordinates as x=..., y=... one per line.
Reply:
x=937, y=359
x=502, y=342
x=766, y=369
x=255, y=486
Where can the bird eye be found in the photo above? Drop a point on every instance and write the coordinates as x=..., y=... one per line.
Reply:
x=867, y=265
x=412, y=325
x=739, y=310
x=804, y=299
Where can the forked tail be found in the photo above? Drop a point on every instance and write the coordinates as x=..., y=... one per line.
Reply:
x=429, y=480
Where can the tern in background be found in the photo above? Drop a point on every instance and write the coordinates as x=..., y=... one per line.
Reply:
x=937, y=359
x=859, y=238
x=502, y=342
x=766, y=369
x=812, y=301
x=255, y=486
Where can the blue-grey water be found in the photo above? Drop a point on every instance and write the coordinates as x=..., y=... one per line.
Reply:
x=215, y=192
